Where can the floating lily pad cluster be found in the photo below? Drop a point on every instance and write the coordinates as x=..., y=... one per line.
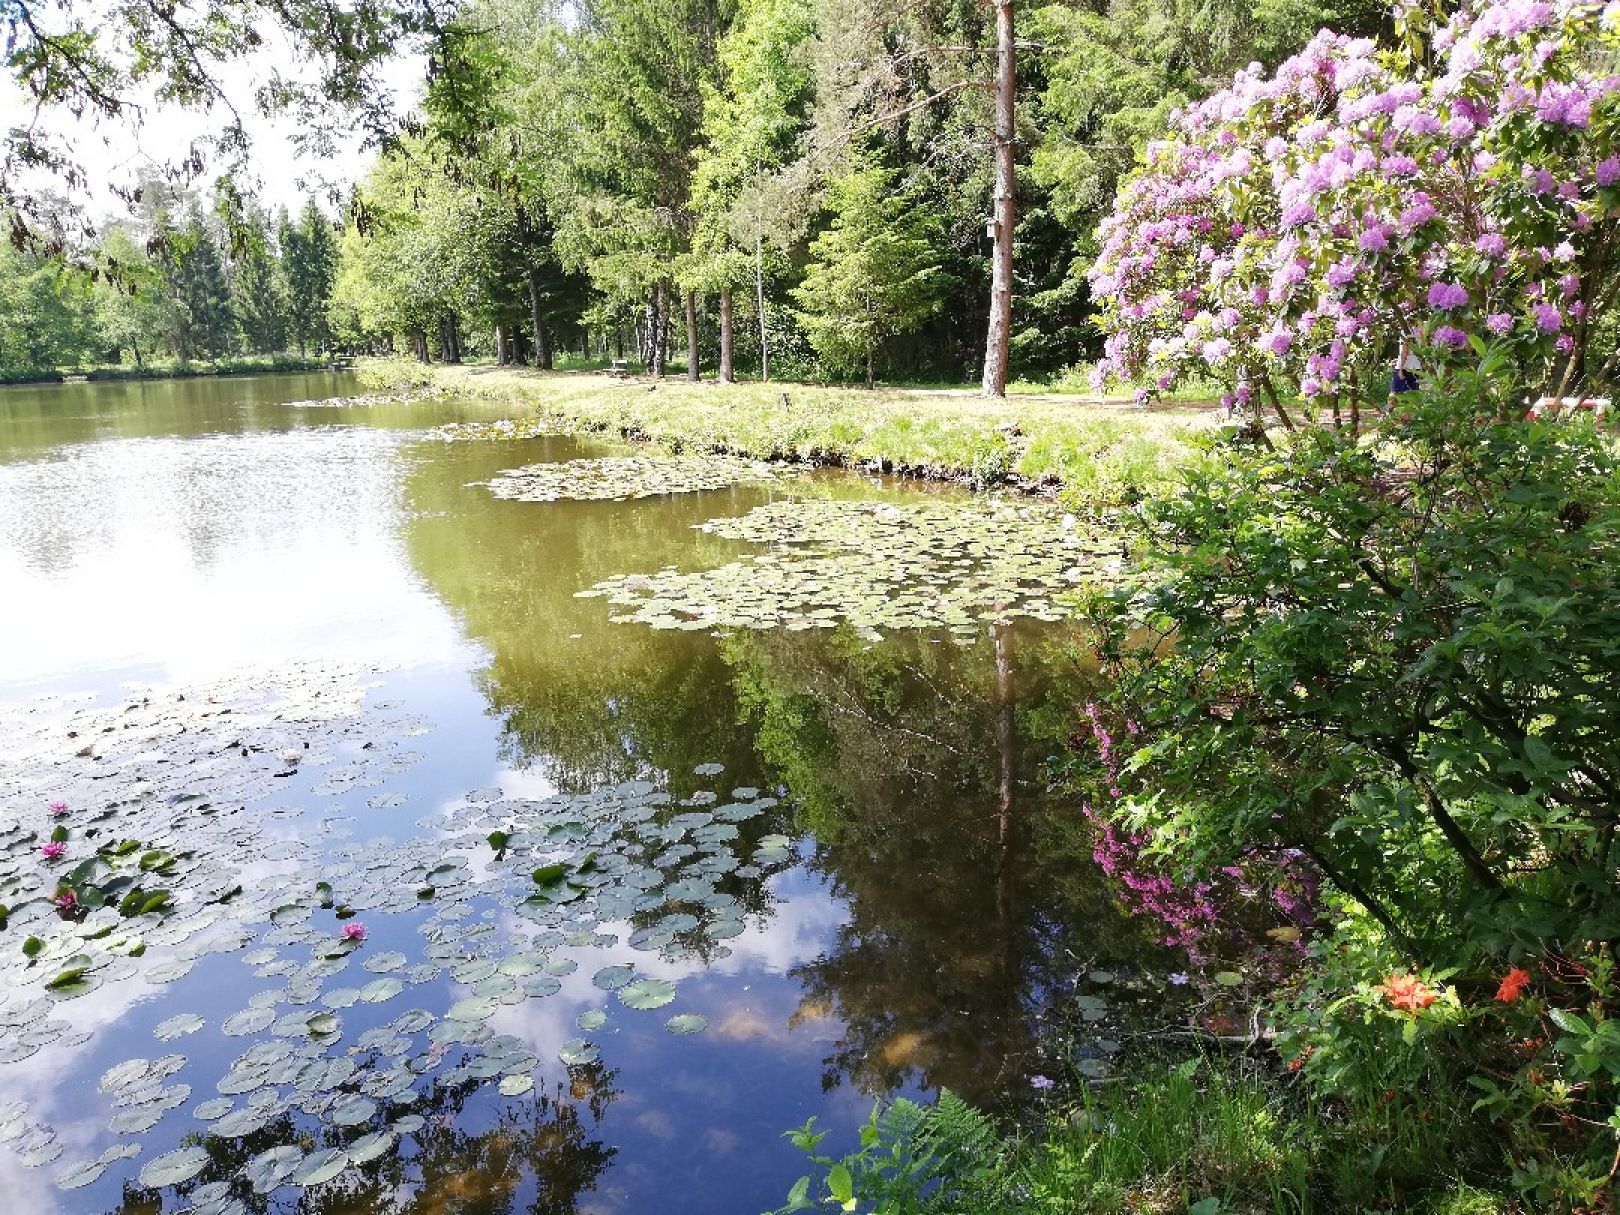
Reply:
x=877, y=566
x=346, y=1022
x=500, y=429
x=618, y=478
x=369, y=401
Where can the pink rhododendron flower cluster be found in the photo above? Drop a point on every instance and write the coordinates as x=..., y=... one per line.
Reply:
x=1190, y=909
x=1295, y=229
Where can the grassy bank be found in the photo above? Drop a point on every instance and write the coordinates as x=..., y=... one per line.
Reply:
x=1093, y=448
x=1215, y=1135
x=255, y=365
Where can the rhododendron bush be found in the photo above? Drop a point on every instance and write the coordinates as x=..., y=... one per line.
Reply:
x=1294, y=230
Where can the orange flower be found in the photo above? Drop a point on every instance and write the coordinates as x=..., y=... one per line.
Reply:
x=1407, y=993
x=1513, y=986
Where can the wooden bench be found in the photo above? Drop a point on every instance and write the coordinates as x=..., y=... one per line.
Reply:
x=619, y=368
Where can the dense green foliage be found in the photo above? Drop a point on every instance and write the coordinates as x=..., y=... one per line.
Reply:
x=171, y=282
x=631, y=177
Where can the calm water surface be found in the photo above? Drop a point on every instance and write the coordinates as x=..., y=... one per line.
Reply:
x=924, y=912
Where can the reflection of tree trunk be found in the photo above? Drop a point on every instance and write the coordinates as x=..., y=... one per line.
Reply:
x=691, y=337
x=726, y=375
x=1007, y=755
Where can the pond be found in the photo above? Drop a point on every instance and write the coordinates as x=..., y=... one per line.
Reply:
x=433, y=887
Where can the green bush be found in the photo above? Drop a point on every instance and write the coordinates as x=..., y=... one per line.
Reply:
x=1400, y=655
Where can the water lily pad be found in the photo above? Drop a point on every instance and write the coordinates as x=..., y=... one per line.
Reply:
x=877, y=565
x=368, y=1147
x=687, y=1023
x=177, y=1027
x=591, y=1020
x=647, y=993
x=516, y=1086
x=577, y=1051
x=319, y=1167
x=173, y=1168
x=270, y=1168
x=624, y=477
x=352, y=1111
x=611, y=978
x=474, y=1008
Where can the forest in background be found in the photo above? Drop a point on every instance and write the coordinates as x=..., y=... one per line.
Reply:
x=172, y=283
x=641, y=180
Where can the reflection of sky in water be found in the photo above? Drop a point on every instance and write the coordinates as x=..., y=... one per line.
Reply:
x=177, y=558
x=173, y=534
x=182, y=559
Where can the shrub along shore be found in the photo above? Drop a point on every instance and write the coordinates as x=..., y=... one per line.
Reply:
x=1094, y=449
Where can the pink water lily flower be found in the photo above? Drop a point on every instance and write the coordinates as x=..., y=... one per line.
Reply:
x=58, y=809
x=354, y=932
x=66, y=900
x=53, y=851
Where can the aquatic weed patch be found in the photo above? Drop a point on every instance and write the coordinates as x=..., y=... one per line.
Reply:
x=377, y=974
x=620, y=478
x=877, y=566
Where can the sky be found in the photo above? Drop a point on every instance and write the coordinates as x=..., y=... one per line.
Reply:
x=113, y=152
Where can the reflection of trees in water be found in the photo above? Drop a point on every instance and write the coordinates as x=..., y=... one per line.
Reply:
x=915, y=765
x=919, y=769
x=548, y=1141
x=589, y=704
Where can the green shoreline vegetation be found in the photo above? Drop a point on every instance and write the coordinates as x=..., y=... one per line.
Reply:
x=245, y=365
x=1094, y=451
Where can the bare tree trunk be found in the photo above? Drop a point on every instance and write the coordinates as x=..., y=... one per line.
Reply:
x=726, y=375
x=537, y=323
x=419, y=341
x=1000, y=329
x=502, y=355
x=869, y=381
x=657, y=323
x=692, y=370
x=759, y=293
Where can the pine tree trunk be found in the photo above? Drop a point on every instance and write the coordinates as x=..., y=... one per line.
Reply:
x=759, y=294
x=693, y=372
x=1000, y=328
x=537, y=322
x=658, y=328
x=726, y=376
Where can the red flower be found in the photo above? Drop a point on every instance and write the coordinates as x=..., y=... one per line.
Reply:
x=1407, y=993
x=1513, y=986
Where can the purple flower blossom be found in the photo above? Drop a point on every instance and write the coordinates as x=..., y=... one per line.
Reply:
x=1491, y=244
x=1178, y=979
x=1548, y=318
x=1448, y=335
x=1445, y=296
x=1499, y=323
x=1608, y=171
x=1043, y=1083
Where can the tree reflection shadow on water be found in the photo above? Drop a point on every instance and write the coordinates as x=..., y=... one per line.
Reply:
x=541, y=1156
